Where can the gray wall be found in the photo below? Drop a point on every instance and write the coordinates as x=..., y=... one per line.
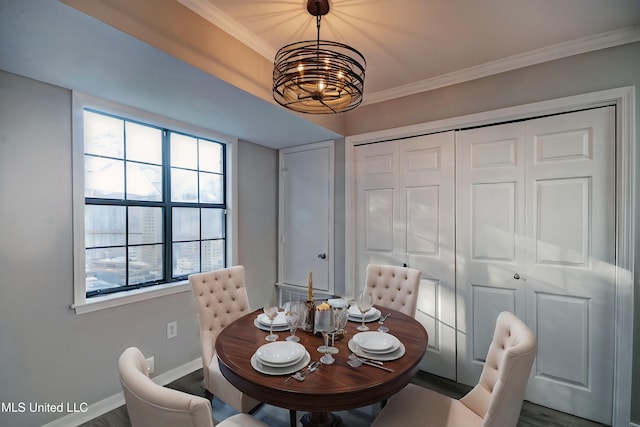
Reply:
x=47, y=352
x=599, y=70
x=258, y=220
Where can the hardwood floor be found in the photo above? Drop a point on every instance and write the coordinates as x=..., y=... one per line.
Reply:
x=531, y=414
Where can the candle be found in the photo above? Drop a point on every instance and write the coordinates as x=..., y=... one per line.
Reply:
x=310, y=288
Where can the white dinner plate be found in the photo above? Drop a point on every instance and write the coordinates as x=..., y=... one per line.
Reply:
x=397, y=354
x=279, y=321
x=376, y=342
x=286, y=370
x=259, y=325
x=280, y=353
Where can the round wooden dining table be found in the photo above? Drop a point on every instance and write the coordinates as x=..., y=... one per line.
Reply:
x=332, y=387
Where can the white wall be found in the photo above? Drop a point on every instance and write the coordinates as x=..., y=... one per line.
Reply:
x=47, y=352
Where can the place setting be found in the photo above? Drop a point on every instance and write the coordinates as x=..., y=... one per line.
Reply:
x=376, y=346
x=280, y=358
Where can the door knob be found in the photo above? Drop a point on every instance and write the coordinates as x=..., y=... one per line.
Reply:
x=516, y=276
x=322, y=255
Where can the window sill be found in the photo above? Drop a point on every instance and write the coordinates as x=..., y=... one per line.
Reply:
x=136, y=295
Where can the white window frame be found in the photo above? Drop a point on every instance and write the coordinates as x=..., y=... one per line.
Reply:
x=80, y=101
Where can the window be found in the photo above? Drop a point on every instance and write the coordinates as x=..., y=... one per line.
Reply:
x=154, y=201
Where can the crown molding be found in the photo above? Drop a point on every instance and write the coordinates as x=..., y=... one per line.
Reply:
x=561, y=50
x=230, y=26
x=604, y=40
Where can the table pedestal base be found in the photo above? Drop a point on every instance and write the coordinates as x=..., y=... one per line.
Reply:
x=321, y=419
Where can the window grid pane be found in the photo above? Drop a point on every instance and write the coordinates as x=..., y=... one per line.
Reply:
x=212, y=223
x=213, y=257
x=211, y=188
x=105, y=268
x=144, y=182
x=186, y=224
x=184, y=151
x=144, y=143
x=103, y=178
x=145, y=225
x=105, y=226
x=186, y=258
x=145, y=264
x=184, y=186
x=103, y=135
x=210, y=156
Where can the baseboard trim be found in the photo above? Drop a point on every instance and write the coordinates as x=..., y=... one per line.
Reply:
x=112, y=402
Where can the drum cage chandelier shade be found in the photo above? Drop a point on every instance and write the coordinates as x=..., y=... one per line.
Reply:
x=318, y=76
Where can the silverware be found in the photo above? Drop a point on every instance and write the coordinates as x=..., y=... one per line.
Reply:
x=377, y=362
x=355, y=362
x=300, y=375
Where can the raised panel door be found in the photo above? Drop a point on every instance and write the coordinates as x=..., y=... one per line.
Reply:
x=489, y=238
x=306, y=220
x=427, y=212
x=570, y=260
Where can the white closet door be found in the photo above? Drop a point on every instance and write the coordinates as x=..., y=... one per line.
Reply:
x=306, y=215
x=541, y=244
x=489, y=237
x=378, y=240
x=570, y=260
x=405, y=202
x=427, y=212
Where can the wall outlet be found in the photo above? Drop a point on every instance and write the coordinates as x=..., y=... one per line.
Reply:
x=172, y=329
x=151, y=365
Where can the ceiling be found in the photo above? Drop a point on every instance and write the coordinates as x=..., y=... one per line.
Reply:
x=410, y=46
x=414, y=45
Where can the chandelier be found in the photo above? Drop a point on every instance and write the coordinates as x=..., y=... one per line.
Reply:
x=318, y=76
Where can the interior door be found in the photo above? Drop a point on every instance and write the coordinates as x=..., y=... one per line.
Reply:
x=541, y=243
x=570, y=276
x=427, y=211
x=404, y=211
x=306, y=215
x=489, y=237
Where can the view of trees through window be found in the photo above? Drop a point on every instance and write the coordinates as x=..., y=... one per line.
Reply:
x=154, y=204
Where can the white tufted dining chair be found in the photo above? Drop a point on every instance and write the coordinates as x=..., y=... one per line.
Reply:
x=221, y=298
x=394, y=287
x=494, y=402
x=152, y=405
